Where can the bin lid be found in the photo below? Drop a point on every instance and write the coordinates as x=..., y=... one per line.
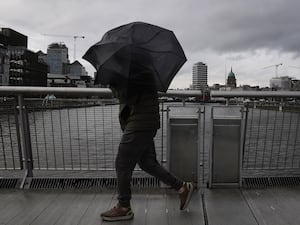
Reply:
x=227, y=112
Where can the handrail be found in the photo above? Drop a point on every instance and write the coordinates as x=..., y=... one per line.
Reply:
x=262, y=94
x=71, y=91
x=63, y=91
x=106, y=92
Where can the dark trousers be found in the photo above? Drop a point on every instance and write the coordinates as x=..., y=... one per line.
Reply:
x=138, y=148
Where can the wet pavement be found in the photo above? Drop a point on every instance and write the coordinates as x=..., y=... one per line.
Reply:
x=272, y=206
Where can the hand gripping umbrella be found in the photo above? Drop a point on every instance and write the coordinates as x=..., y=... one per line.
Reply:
x=136, y=53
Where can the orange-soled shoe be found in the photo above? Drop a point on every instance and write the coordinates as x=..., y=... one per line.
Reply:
x=117, y=213
x=186, y=195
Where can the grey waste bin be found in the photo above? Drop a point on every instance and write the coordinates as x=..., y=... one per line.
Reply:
x=226, y=147
x=182, y=151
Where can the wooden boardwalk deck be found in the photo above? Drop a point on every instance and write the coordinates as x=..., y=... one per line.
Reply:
x=280, y=206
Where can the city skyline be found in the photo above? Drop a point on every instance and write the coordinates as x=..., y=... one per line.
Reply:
x=247, y=36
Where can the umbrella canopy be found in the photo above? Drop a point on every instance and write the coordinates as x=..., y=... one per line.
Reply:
x=137, y=53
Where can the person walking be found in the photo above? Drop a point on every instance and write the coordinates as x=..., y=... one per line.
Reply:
x=136, y=60
x=139, y=119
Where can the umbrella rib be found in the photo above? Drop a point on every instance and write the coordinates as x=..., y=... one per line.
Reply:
x=151, y=49
x=160, y=81
x=143, y=42
x=169, y=52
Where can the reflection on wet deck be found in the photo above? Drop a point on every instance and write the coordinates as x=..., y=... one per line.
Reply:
x=274, y=206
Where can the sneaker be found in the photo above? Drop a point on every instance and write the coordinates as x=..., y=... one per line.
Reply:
x=117, y=213
x=186, y=195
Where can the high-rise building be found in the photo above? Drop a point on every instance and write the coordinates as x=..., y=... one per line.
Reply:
x=10, y=37
x=199, y=76
x=62, y=73
x=23, y=65
x=4, y=66
x=25, y=69
x=57, y=58
x=281, y=83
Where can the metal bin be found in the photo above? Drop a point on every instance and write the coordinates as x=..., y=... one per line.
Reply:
x=226, y=147
x=182, y=151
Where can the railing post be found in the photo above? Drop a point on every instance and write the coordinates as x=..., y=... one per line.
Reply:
x=163, y=128
x=227, y=101
x=25, y=139
x=16, y=112
x=183, y=102
x=281, y=103
x=162, y=131
x=201, y=146
x=245, y=118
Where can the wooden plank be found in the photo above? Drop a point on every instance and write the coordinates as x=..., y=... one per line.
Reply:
x=56, y=209
x=138, y=204
x=19, y=206
x=195, y=209
x=156, y=208
x=228, y=207
x=275, y=206
x=101, y=202
x=76, y=209
x=139, y=207
x=6, y=196
x=174, y=215
x=32, y=206
x=10, y=205
x=248, y=207
x=289, y=204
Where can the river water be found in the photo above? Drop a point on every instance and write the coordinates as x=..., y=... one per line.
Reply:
x=87, y=138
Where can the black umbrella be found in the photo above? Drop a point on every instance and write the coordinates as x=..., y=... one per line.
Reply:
x=137, y=53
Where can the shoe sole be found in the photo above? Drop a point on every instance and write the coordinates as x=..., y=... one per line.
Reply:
x=120, y=218
x=188, y=199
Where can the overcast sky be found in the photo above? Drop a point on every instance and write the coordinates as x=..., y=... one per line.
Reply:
x=242, y=34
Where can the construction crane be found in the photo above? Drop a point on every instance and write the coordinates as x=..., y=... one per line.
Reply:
x=276, y=68
x=75, y=37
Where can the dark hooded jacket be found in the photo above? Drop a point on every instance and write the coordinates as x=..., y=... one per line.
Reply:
x=139, y=110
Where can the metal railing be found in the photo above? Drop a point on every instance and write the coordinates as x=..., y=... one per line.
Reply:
x=62, y=134
x=272, y=142
x=79, y=131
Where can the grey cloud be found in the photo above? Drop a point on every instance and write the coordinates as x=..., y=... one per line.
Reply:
x=213, y=31
x=228, y=25
x=248, y=25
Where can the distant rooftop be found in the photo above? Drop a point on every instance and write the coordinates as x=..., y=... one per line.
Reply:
x=58, y=45
x=76, y=62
